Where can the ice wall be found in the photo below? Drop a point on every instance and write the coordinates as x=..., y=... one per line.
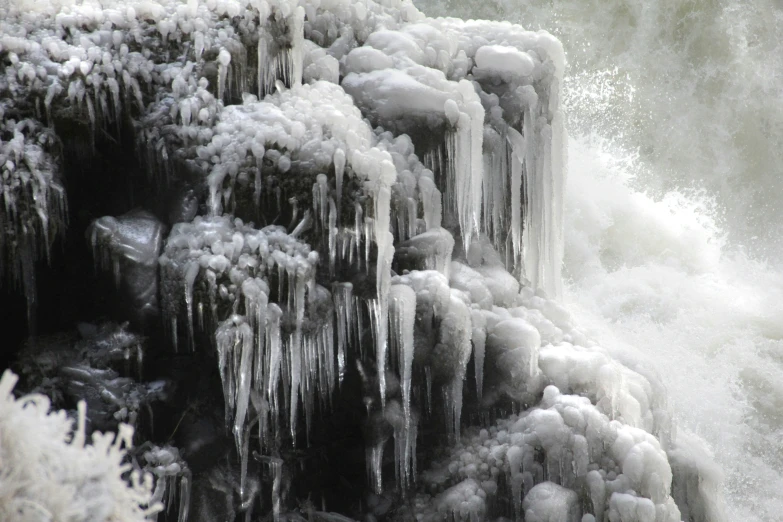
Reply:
x=382, y=194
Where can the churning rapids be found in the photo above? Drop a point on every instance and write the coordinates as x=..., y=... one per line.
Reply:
x=674, y=207
x=321, y=259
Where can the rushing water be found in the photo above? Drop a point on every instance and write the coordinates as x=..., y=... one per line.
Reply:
x=675, y=208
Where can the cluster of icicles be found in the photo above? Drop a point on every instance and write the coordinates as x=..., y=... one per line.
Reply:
x=33, y=210
x=216, y=90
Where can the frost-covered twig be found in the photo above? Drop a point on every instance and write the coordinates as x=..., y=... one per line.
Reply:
x=47, y=472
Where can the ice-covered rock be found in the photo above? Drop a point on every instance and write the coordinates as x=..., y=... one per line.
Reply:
x=129, y=246
x=541, y=457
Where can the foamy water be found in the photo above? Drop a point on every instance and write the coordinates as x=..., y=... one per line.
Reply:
x=651, y=281
x=675, y=209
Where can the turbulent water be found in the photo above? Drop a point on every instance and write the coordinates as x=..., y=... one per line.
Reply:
x=674, y=209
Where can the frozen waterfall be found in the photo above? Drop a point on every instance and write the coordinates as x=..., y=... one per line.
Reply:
x=343, y=228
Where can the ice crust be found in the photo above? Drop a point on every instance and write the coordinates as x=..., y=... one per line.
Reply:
x=419, y=166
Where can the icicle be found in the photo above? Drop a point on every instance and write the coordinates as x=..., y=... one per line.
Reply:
x=277, y=478
x=342, y=295
x=295, y=350
x=215, y=183
x=455, y=335
x=374, y=456
x=276, y=63
x=224, y=58
x=530, y=243
x=171, y=491
x=191, y=272
x=226, y=339
x=332, y=228
x=339, y=172
x=479, y=339
x=359, y=220
x=303, y=226
x=323, y=199
x=53, y=90
x=378, y=334
x=402, y=316
x=91, y=115
x=496, y=174
x=412, y=211
x=430, y=198
x=517, y=142
x=328, y=354
x=174, y=334
x=262, y=62
x=476, y=112
x=297, y=47
x=465, y=165
x=452, y=395
x=367, y=238
x=184, y=499
x=244, y=452
x=245, y=341
x=274, y=345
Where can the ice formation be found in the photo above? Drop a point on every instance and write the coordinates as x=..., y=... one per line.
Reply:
x=382, y=194
x=49, y=473
x=616, y=471
x=128, y=246
x=102, y=366
x=34, y=208
x=172, y=479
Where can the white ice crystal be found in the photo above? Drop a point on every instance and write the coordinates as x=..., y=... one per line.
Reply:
x=49, y=473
